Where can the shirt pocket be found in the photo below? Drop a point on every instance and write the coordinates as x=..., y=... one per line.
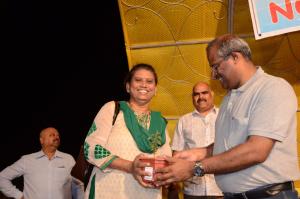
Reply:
x=190, y=140
x=238, y=130
x=62, y=175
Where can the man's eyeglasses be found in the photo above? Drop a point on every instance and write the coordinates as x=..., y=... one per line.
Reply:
x=215, y=66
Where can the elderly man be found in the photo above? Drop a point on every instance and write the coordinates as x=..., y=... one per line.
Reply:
x=46, y=173
x=255, y=150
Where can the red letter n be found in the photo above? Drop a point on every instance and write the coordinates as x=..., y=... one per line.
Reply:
x=288, y=13
x=297, y=5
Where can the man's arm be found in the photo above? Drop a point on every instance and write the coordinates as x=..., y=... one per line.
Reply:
x=255, y=150
x=7, y=175
x=195, y=154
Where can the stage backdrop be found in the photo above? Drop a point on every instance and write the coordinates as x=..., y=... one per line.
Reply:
x=172, y=36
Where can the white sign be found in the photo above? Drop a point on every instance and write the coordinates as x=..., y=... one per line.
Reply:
x=274, y=17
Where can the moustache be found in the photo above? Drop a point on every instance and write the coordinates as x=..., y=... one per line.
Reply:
x=201, y=100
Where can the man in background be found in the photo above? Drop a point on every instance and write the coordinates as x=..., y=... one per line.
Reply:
x=197, y=130
x=46, y=173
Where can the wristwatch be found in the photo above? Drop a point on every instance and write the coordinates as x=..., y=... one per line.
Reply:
x=198, y=169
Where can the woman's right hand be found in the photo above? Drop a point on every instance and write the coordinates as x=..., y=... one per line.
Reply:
x=138, y=171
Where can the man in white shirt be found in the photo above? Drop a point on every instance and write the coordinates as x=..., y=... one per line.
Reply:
x=46, y=173
x=197, y=130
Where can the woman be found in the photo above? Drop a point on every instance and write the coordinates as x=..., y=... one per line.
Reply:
x=115, y=150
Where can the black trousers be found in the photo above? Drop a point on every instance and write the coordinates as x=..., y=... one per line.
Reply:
x=285, y=190
x=202, y=197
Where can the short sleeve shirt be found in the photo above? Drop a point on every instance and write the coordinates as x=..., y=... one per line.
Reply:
x=265, y=106
x=194, y=130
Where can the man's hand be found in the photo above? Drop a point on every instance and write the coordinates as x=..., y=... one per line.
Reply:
x=195, y=154
x=177, y=171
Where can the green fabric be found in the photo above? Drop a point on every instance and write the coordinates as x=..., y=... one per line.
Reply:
x=86, y=148
x=92, y=129
x=147, y=140
x=100, y=152
x=108, y=162
x=92, y=188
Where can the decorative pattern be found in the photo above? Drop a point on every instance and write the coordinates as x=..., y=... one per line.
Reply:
x=92, y=129
x=100, y=152
x=143, y=119
x=86, y=150
x=173, y=20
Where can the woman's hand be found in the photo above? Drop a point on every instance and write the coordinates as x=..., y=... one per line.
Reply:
x=138, y=171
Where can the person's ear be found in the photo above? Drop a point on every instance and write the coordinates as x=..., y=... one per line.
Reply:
x=127, y=88
x=235, y=56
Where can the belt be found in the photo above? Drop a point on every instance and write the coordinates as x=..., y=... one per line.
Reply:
x=262, y=192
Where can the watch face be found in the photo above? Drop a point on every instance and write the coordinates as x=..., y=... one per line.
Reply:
x=198, y=170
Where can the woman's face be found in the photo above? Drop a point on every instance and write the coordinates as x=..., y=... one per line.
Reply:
x=142, y=86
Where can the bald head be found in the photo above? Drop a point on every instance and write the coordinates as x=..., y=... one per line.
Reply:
x=201, y=84
x=49, y=138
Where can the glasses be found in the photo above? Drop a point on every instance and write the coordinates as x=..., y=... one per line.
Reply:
x=214, y=67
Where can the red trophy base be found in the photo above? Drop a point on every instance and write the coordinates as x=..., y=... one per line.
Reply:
x=154, y=164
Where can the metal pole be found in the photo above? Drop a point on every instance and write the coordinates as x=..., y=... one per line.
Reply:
x=230, y=16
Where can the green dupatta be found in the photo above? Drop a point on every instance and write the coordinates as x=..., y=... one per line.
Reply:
x=147, y=140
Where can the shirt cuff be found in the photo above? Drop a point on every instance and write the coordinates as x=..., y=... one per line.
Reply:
x=104, y=166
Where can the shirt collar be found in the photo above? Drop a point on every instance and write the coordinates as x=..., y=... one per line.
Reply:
x=213, y=111
x=41, y=154
x=259, y=72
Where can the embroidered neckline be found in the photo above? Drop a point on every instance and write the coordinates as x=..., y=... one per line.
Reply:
x=143, y=119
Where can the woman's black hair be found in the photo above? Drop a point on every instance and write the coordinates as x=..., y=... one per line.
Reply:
x=137, y=67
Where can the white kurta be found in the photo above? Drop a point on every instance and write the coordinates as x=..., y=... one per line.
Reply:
x=112, y=183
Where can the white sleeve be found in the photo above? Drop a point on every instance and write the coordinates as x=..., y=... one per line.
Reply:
x=178, y=138
x=95, y=142
x=7, y=175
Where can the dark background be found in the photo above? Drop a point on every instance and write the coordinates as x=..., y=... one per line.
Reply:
x=60, y=62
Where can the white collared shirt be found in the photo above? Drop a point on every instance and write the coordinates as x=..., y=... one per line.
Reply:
x=194, y=130
x=43, y=178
